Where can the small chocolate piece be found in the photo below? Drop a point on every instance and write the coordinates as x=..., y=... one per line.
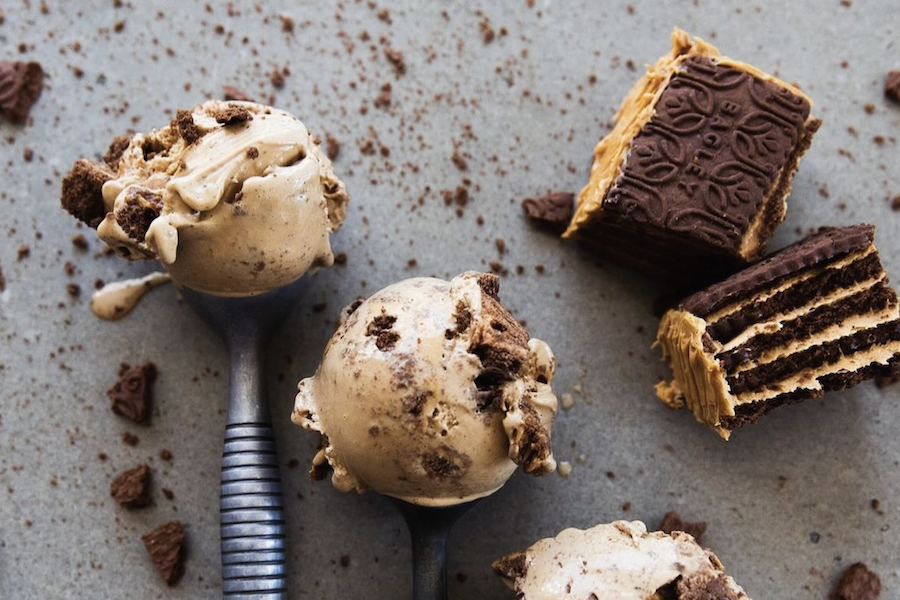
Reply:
x=132, y=395
x=232, y=115
x=395, y=57
x=229, y=92
x=82, y=194
x=21, y=84
x=141, y=207
x=2, y=281
x=380, y=329
x=673, y=522
x=115, y=151
x=857, y=583
x=131, y=489
x=165, y=545
x=184, y=123
x=892, y=86
x=552, y=211
x=332, y=147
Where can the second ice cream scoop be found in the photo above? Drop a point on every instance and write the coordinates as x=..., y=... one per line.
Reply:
x=432, y=393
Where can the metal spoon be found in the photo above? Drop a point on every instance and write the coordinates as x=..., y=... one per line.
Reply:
x=250, y=502
x=428, y=530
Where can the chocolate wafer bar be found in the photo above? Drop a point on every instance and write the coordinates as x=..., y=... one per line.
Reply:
x=817, y=316
x=692, y=180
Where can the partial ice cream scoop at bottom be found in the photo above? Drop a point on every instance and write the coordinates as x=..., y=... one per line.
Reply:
x=431, y=392
x=621, y=561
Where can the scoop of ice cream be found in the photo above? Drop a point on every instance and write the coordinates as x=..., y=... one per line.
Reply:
x=234, y=198
x=620, y=560
x=431, y=392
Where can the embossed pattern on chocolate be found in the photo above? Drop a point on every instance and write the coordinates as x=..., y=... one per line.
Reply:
x=707, y=159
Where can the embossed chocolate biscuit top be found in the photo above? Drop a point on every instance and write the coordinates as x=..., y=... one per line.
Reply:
x=707, y=159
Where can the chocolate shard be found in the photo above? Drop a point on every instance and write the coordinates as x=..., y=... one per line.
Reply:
x=116, y=149
x=82, y=191
x=892, y=86
x=184, y=123
x=857, y=583
x=132, y=395
x=131, y=488
x=551, y=211
x=165, y=545
x=21, y=84
x=232, y=115
x=673, y=522
x=229, y=92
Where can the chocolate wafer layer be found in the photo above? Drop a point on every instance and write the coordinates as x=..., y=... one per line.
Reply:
x=697, y=169
x=817, y=316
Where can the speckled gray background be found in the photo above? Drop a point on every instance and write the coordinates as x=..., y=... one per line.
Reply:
x=787, y=501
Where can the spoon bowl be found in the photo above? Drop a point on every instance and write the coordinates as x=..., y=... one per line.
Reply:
x=251, y=506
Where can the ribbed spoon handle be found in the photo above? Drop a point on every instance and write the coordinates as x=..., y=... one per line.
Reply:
x=252, y=517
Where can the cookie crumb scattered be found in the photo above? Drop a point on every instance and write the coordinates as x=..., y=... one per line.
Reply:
x=131, y=488
x=552, y=211
x=21, y=84
x=132, y=395
x=857, y=583
x=165, y=545
x=892, y=86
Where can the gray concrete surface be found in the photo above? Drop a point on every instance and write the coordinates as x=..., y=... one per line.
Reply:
x=787, y=501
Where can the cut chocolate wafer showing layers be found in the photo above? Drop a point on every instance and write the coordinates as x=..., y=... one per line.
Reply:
x=692, y=180
x=817, y=316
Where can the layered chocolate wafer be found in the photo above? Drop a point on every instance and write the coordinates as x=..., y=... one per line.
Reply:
x=692, y=180
x=817, y=316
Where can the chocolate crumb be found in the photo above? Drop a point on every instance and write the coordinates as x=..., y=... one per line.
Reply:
x=252, y=153
x=229, y=92
x=892, y=86
x=287, y=24
x=552, y=211
x=232, y=115
x=673, y=522
x=184, y=122
x=395, y=57
x=869, y=108
x=169, y=494
x=132, y=395
x=129, y=439
x=487, y=32
x=857, y=583
x=80, y=242
x=383, y=100
x=459, y=160
x=23, y=252
x=21, y=84
x=345, y=561
x=166, y=454
x=340, y=258
x=28, y=155
x=165, y=545
x=131, y=488
x=2, y=282
x=81, y=193
x=277, y=79
x=116, y=149
x=73, y=289
x=332, y=147
x=895, y=203
x=380, y=329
